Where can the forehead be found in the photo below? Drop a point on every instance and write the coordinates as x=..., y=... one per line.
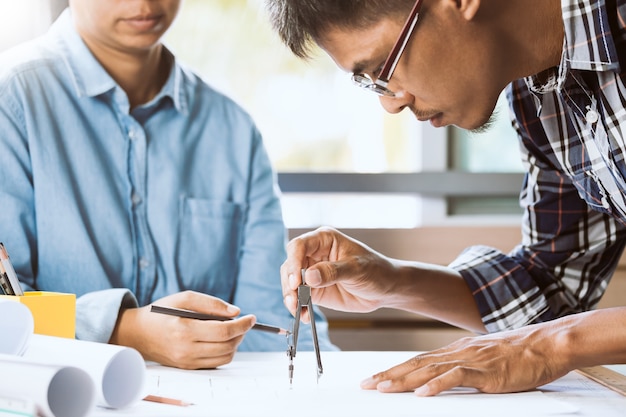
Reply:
x=357, y=50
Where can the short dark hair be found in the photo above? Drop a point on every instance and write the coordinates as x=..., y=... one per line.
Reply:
x=302, y=22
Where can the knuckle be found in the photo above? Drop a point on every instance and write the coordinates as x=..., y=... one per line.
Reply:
x=186, y=295
x=181, y=358
x=415, y=362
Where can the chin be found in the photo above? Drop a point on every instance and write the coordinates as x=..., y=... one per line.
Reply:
x=483, y=126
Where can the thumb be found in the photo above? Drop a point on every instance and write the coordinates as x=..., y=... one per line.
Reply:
x=327, y=273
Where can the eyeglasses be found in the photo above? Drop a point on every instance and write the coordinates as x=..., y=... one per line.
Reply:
x=379, y=86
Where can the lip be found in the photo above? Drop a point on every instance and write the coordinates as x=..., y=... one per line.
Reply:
x=437, y=120
x=145, y=22
x=428, y=118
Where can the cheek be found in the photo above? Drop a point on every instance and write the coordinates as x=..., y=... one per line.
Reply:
x=172, y=8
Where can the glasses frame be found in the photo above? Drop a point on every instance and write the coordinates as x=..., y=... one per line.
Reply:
x=379, y=85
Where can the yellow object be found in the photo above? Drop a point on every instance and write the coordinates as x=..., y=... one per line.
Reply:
x=54, y=313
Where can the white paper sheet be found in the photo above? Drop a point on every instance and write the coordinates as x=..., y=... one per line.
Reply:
x=256, y=384
x=118, y=372
x=58, y=391
x=16, y=327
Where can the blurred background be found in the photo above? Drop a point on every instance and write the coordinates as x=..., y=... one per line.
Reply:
x=404, y=188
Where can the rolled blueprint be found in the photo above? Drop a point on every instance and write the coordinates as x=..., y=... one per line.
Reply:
x=58, y=391
x=16, y=327
x=118, y=372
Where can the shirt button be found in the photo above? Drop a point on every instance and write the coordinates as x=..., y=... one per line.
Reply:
x=131, y=134
x=592, y=116
x=143, y=263
x=136, y=199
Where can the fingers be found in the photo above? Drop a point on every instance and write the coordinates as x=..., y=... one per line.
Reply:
x=303, y=252
x=213, y=331
x=202, y=303
x=456, y=377
x=189, y=343
x=504, y=362
x=393, y=379
x=423, y=376
x=307, y=250
x=196, y=344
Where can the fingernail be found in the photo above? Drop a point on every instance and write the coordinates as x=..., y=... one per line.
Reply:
x=313, y=277
x=382, y=386
x=289, y=300
x=368, y=383
x=422, y=391
x=232, y=309
x=292, y=282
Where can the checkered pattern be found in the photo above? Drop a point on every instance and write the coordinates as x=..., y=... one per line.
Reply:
x=571, y=122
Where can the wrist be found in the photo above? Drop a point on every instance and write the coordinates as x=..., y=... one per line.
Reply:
x=592, y=338
x=120, y=335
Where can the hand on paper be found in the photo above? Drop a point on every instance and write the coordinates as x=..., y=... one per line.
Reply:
x=515, y=360
x=181, y=342
x=509, y=361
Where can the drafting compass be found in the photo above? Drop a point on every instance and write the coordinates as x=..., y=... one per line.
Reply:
x=304, y=301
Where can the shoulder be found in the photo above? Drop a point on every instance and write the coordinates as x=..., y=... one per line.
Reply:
x=203, y=97
x=33, y=60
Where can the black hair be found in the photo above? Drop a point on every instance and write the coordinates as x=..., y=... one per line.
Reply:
x=299, y=23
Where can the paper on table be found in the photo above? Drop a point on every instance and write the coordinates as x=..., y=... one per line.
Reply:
x=257, y=384
x=16, y=327
x=18, y=407
x=49, y=386
x=119, y=372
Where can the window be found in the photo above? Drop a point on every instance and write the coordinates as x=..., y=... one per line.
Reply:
x=342, y=160
x=23, y=20
x=319, y=129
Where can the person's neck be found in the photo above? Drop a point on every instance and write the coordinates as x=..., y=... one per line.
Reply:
x=140, y=74
x=533, y=35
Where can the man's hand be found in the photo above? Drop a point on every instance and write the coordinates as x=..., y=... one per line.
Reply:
x=182, y=342
x=347, y=275
x=341, y=271
x=510, y=361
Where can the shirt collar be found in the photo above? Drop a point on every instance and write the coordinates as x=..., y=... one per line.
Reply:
x=588, y=44
x=91, y=79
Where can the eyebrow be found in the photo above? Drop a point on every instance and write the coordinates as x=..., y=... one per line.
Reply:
x=360, y=66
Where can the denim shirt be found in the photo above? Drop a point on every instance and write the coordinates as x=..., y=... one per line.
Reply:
x=123, y=207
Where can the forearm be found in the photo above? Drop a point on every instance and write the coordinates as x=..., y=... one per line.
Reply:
x=127, y=331
x=592, y=338
x=97, y=313
x=434, y=291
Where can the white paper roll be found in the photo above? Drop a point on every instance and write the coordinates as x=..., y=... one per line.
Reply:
x=59, y=391
x=16, y=327
x=119, y=372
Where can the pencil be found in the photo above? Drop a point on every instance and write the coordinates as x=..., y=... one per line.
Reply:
x=9, y=272
x=203, y=316
x=165, y=400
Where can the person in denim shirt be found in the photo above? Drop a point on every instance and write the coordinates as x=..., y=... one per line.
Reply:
x=127, y=180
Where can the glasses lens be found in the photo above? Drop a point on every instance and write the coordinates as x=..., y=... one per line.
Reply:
x=363, y=81
x=381, y=91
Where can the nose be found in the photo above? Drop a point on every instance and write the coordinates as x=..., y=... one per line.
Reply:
x=397, y=103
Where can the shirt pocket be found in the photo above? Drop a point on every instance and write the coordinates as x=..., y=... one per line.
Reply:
x=209, y=237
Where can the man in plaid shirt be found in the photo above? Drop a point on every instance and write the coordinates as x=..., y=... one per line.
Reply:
x=561, y=64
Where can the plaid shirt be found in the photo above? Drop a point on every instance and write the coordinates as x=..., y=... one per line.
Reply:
x=571, y=122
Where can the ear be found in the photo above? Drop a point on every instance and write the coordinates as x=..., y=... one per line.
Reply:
x=467, y=8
